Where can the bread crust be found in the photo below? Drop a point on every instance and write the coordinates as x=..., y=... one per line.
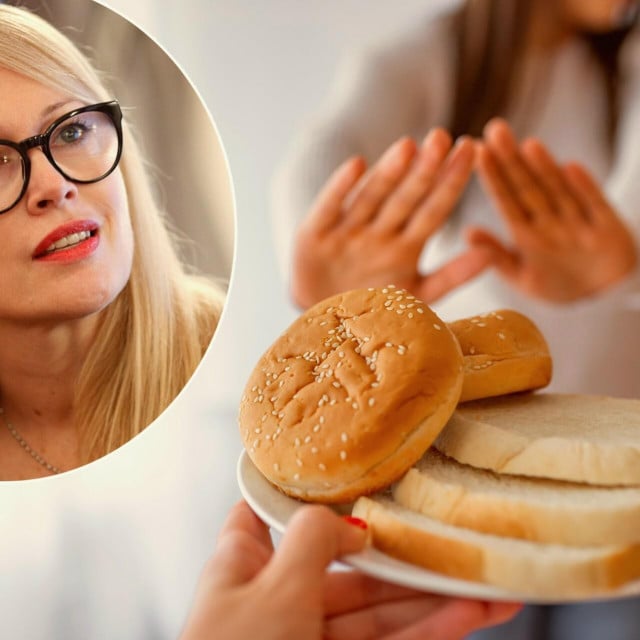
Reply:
x=516, y=507
x=351, y=395
x=504, y=352
x=579, y=438
x=526, y=568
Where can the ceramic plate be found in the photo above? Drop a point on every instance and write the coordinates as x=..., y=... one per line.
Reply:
x=275, y=509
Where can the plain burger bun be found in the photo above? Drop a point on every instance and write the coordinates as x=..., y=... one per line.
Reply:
x=580, y=438
x=504, y=352
x=351, y=395
x=544, y=571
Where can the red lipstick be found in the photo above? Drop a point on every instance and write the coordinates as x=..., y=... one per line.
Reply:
x=80, y=247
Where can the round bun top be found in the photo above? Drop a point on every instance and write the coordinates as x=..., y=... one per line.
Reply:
x=351, y=395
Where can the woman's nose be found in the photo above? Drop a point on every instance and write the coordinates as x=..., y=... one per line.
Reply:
x=47, y=188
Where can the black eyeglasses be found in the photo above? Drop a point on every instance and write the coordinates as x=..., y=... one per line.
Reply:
x=83, y=145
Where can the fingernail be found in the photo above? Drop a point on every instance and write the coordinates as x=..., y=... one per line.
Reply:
x=356, y=522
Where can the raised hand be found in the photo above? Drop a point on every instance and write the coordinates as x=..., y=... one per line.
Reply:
x=249, y=591
x=368, y=228
x=568, y=242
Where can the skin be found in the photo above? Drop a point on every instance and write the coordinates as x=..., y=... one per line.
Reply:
x=567, y=241
x=368, y=228
x=49, y=312
x=248, y=590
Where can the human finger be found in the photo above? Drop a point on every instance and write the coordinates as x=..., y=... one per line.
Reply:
x=453, y=274
x=499, y=189
x=417, y=183
x=243, y=548
x=422, y=616
x=315, y=537
x=499, y=256
x=379, y=183
x=327, y=209
x=346, y=591
x=528, y=192
x=549, y=173
x=440, y=202
x=587, y=191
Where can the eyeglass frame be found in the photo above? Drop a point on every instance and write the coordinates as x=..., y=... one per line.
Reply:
x=111, y=108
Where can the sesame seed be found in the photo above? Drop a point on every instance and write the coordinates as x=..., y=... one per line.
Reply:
x=268, y=436
x=299, y=462
x=276, y=466
x=437, y=326
x=355, y=405
x=341, y=354
x=322, y=467
x=281, y=415
x=314, y=449
x=321, y=419
x=372, y=401
x=472, y=350
x=343, y=455
x=336, y=384
x=410, y=315
x=296, y=442
x=256, y=443
x=258, y=430
x=296, y=476
x=316, y=428
x=343, y=437
x=307, y=439
x=388, y=344
x=482, y=324
x=420, y=310
x=501, y=336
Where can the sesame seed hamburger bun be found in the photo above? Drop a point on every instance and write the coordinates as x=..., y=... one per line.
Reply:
x=351, y=395
x=503, y=352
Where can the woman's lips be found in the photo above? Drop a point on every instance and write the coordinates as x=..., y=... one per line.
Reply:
x=65, y=238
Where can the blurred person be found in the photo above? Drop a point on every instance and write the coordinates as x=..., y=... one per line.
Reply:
x=550, y=92
x=100, y=324
x=247, y=590
x=539, y=85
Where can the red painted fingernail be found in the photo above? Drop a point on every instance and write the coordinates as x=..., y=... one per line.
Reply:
x=356, y=522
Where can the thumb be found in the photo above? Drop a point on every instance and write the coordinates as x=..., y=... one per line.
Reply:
x=504, y=260
x=314, y=538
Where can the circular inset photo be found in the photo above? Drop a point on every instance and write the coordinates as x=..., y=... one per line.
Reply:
x=117, y=225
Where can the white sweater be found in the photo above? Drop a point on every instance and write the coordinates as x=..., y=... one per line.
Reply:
x=405, y=87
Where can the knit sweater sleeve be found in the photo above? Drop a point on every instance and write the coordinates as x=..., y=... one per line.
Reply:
x=399, y=88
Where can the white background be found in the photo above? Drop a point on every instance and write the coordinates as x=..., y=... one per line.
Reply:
x=113, y=550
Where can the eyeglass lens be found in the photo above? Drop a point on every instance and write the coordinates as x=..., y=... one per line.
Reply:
x=83, y=147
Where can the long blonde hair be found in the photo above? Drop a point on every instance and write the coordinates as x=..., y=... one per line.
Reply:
x=153, y=335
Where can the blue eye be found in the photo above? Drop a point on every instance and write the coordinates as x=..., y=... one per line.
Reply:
x=72, y=133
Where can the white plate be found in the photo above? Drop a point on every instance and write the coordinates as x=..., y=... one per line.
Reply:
x=275, y=509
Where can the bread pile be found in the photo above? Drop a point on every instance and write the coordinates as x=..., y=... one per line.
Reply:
x=537, y=493
x=534, y=492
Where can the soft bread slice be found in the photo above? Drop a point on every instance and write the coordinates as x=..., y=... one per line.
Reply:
x=592, y=439
x=527, y=568
x=517, y=507
x=504, y=352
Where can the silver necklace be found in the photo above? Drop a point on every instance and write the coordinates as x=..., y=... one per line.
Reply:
x=23, y=443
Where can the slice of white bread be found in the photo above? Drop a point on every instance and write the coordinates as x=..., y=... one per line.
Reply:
x=580, y=438
x=527, y=568
x=504, y=352
x=518, y=507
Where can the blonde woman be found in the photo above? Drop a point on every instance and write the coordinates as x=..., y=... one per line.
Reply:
x=100, y=324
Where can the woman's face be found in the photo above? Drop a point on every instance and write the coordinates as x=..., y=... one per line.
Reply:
x=599, y=16
x=40, y=282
